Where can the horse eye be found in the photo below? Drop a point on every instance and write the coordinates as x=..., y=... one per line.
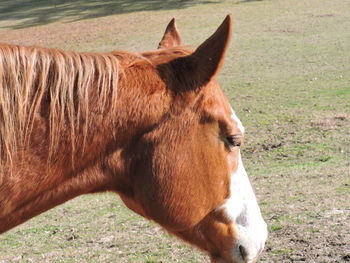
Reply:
x=234, y=140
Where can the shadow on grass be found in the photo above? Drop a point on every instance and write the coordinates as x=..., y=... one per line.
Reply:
x=30, y=13
x=247, y=1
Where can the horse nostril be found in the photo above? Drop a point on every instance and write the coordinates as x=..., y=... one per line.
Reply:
x=242, y=251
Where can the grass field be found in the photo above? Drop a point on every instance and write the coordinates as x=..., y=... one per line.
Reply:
x=287, y=75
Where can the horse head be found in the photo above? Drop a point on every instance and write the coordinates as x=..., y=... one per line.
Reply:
x=185, y=169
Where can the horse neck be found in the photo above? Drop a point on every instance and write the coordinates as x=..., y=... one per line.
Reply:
x=31, y=188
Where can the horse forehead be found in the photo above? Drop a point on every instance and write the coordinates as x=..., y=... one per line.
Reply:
x=217, y=102
x=229, y=111
x=220, y=108
x=237, y=121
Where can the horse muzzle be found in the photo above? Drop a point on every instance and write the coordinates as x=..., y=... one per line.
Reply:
x=247, y=248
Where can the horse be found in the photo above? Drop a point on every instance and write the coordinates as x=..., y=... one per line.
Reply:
x=153, y=127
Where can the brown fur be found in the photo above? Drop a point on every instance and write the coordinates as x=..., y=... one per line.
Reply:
x=149, y=126
x=54, y=84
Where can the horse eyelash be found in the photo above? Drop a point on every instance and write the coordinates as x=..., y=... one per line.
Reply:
x=233, y=142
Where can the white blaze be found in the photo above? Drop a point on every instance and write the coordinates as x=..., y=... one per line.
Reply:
x=242, y=208
x=238, y=121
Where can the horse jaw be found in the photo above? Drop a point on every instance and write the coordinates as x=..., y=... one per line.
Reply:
x=243, y=210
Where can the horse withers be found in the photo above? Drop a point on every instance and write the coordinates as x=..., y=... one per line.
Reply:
x=153, y=127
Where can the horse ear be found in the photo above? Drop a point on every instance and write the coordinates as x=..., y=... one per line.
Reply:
x=209, y=56
x=197, y=69
x=171, y=36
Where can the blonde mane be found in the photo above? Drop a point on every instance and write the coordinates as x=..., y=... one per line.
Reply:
x=63, y=81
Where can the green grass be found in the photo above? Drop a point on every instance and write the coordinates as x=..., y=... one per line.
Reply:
x=287, y=75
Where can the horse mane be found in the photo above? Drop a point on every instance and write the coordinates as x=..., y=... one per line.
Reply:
x=63, y=84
